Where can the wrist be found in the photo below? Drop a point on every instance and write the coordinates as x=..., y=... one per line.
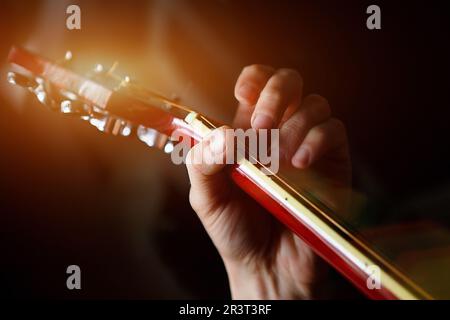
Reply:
x=248, y=284
x=261, y=283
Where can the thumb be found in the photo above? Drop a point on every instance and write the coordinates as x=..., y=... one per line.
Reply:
x=210, y=185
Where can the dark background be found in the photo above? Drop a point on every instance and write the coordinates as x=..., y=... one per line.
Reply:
x=69, y=195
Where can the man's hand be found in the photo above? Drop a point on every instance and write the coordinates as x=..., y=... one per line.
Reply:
x=263, y=259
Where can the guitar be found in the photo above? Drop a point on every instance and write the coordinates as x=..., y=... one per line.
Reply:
x=118, y=106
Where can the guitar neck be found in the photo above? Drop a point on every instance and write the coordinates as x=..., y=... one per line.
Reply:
x=313, y=222
x=308, y=218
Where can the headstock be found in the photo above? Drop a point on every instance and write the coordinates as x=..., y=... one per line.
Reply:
x=111, y=103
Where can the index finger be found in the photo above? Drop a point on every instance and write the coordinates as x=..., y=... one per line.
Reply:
x=250, y=83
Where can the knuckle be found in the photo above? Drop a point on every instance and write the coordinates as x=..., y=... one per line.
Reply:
x=291, y=74
x=194, y=201
x=272, y=96
x=321, y=133
x=256, y=68
x=296, y=124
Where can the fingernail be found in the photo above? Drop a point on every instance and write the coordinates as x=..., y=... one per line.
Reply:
x=247, y=93
x=217, y=142
x=301, y=158
x=262, y=121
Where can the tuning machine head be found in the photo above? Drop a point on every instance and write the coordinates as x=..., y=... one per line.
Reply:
x=34, y=84
x=112, y=125
x=55, y=99
x=75, y=108
x=47, y=87
x=154, y=138
x=21, y=80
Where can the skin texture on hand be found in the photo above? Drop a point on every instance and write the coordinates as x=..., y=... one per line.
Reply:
x=263, y=259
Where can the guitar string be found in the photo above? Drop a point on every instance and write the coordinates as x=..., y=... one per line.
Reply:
x=305, y=199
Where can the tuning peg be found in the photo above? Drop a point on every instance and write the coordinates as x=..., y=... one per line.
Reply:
x=74, y=107
x=41, y=90
x=99, y=68
x=154, y=138
x=111, y=125
x=68, y=55
x=168, y=148
x=123, y=82
x=117, y=126
x=107, y=76
x=41, y=93
x=21, y=80
x=57, y=100
x=98, y=122
x=67, y=59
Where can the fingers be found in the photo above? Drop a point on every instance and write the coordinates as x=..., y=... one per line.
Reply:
x=251, y=82
x=249, y=85
x=270, y=98
x=265, y=94
x=329, y=137
x=283, y=89
x=205, y=162
x=314, y=110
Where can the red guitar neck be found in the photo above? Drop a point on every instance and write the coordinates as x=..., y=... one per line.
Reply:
x=308, y=220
